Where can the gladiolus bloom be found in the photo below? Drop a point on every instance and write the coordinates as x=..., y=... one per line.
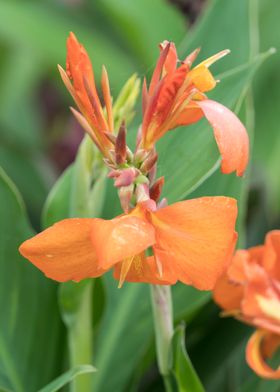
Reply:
x=176, y=97
x=250, y=291
x=80, y=82
x=192, y=241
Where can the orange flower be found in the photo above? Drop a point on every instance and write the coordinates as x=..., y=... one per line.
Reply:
x=192, y=241
x=176, y=97
x=83, y=90
x=251, y=292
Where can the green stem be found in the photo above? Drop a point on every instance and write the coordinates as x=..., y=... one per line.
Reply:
x=80, y=340
x=163, y=323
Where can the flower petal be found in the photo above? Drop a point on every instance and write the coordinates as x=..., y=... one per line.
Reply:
x=190, y=115
x=78, y=66
x=202, y=78
x=260, y=344
x=171, y=58
x=120, y=238
x=64, y=251
x=271, y=259
x=261, y=300
x=197, y=238
x=228, y=295
x=230, y=135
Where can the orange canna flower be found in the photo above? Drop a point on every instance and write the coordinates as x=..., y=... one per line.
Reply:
x=250, y=291
x=79, y=80
x=176, y=97
x=191, y=241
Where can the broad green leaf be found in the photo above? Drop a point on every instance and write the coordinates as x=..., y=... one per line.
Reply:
x=31, y=332
x=216, y=30
x=186, y=377
x=267, y=84
x=67, y=377
x=27, y=175
x=52, y=25
x=19, y=78
x=88, y=182
x=126, y=331
x=135, y=21
x=57, y=205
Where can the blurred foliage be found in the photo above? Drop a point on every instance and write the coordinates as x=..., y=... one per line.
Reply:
x=35, y=122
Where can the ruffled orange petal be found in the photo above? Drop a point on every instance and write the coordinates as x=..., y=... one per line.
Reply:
x=120, y=238
x=261, y=300
x=228, y=295
x=236, y=270
x=196, y=238
x=64, y=251
x=230, y=135
x=142, y=270
x=261, y=344
x=271, y=257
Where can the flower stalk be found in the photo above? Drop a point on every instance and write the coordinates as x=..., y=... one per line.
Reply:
x=163, y=324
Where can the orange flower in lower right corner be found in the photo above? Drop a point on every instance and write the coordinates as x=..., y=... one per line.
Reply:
x=250, y=291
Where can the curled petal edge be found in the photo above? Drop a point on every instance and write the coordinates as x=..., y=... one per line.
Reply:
x=255, y=354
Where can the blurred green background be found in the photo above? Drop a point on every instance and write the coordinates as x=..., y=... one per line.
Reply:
x=39, y=138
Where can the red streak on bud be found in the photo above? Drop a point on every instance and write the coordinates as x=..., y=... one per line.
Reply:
x=156, y=189
x=120, y=148
x=150, y=162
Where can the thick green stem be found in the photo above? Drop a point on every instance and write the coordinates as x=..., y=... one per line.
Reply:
x=81, y=340
x=163, y=322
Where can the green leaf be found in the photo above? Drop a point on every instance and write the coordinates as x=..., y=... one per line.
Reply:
x=186, y=377
x=66, y=377
x=27, y=176
x=52, y=25
x=216, y=30
x=135, y=21
x=18, y=79
x=57, y=205
x=126, y=331
x=267, y=84
x=31, y=340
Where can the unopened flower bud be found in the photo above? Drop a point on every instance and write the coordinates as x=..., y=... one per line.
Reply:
x=150, y=162
x=156, y=189
x=125, y=194
x=142, y=193
x=120, y=148
x=126, y=177
x=140, y=155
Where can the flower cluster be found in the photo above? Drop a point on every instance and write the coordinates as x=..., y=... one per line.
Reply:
x=250, y=291
x=190, y=241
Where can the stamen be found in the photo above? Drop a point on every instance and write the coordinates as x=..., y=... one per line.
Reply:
x=125, y=266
